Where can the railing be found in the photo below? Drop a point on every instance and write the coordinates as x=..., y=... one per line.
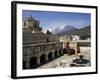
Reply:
x=42, y=47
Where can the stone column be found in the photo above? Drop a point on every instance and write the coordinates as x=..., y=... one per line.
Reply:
x=46, y=58
x=38, y=61
x=53, y=56
x=58, y=53
x=62, y=51
x=27, y=64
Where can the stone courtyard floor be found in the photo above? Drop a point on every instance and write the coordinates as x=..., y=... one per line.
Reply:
x=65, y=60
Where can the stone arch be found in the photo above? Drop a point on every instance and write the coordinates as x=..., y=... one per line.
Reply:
x=42, y=58
x=50, y=55
x=72, y=51
x=33, y=62
x=55, y=54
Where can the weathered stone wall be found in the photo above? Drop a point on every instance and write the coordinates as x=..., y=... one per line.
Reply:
x=33, y=38
x=53, y=38
x=29, y=38
x=36, y=50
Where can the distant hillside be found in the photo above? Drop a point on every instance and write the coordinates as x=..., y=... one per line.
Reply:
x=83, y=31
x=65, y=28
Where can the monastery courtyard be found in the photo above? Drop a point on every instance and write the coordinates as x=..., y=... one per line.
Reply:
x=65, y=60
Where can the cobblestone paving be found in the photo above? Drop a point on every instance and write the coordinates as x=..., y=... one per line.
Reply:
x=65, y=60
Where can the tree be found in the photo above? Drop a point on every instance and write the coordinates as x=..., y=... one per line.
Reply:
x=48, y=32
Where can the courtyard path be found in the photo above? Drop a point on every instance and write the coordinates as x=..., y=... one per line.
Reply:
x=65, y=60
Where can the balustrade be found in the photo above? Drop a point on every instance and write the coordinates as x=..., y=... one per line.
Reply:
x=38, y=48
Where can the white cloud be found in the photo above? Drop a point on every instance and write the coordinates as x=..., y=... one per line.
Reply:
x=60, y=25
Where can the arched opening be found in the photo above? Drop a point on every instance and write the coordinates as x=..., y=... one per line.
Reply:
x=64, y=51
x=42, y=58
x=50, y=56
x=33, y=62
x=72, y=51
x=56, y=53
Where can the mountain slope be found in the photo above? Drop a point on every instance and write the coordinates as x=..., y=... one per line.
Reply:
x=80, y=32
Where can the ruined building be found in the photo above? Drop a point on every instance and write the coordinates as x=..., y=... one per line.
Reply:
x=38, y=47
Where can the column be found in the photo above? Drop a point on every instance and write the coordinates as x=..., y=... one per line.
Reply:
x=27, y=65
x=58, y=53
x=61, y=51
x=46, y=58
x=38, y=61
x=53, y=56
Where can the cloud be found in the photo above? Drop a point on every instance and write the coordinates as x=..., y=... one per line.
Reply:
x=59, y=25
x=54, y=25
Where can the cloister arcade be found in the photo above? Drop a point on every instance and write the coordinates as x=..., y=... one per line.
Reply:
x=35, y=55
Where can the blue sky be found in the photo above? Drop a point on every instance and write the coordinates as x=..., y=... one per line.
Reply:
x=51, y=20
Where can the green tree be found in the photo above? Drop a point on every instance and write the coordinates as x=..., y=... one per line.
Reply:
x=48, y=32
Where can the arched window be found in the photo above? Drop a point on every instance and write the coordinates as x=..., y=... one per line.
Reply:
x=33, y=62
x=72, y=51
x=42, y=58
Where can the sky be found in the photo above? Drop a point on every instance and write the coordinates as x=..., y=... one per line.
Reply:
x=52, y=20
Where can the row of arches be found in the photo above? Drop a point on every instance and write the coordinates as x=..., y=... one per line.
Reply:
x=33, y=62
